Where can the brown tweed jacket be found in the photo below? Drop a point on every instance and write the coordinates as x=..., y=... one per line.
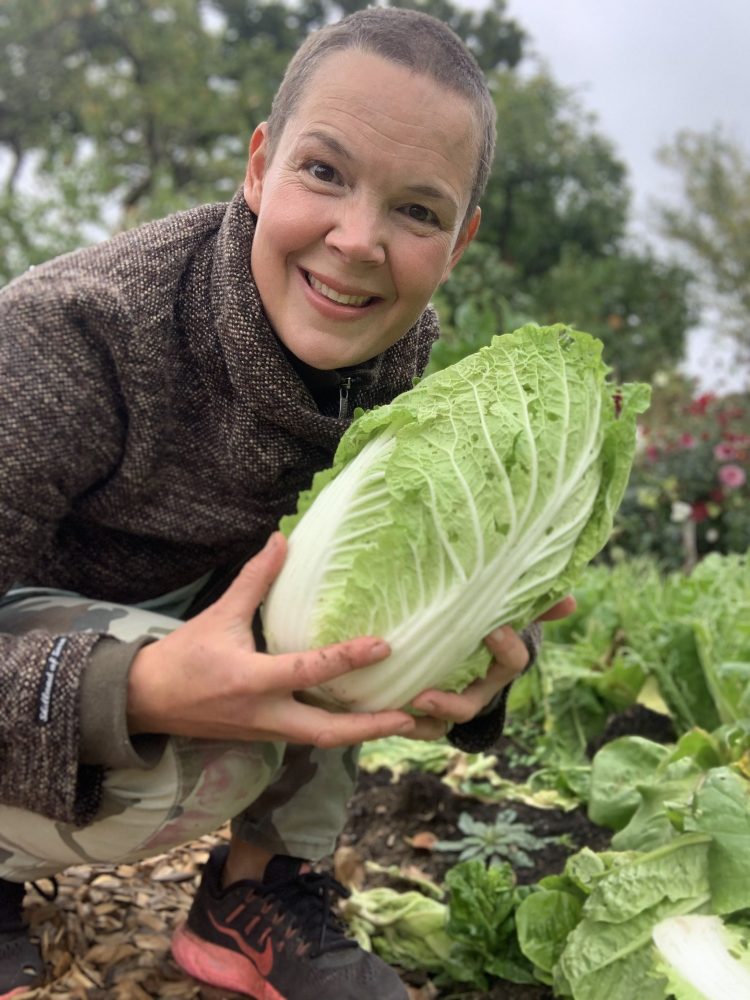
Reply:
x=151, y=429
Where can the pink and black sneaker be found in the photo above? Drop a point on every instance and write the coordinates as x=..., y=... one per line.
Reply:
x=278, y=939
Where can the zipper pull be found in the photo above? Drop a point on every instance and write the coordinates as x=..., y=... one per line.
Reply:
x=344, y=387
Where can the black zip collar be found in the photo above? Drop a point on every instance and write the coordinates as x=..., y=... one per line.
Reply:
x=323, y=385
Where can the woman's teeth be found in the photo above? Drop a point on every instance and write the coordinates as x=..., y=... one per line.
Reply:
x=334, y=296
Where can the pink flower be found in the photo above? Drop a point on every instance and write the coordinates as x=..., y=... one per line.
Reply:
x=724, y=451
x=687, y=441
x=732, y=476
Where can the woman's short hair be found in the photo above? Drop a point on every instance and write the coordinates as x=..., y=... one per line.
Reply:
x=411, y=38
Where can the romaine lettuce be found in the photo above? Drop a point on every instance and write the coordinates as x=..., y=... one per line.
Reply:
x=471, y=501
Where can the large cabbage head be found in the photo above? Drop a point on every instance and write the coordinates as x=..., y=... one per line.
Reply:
x=471, y=501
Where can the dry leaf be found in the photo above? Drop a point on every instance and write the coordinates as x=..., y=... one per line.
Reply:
x=349, y=867
x=425, y=840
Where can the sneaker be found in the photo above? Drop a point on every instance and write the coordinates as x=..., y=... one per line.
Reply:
x=278, y=939
x=21, y=963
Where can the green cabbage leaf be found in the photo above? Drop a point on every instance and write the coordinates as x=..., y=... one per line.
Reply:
x=471, y=501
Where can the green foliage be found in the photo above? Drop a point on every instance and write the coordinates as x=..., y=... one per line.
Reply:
x=556, y=181
x=637, y=305
x=551, y=243
x=680, y=643
x=505, y=839
x=475, y=305
x=481, y=921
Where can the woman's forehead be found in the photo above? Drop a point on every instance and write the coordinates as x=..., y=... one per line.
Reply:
x=356, y=100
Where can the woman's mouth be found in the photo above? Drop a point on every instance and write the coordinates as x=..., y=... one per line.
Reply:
x=358, y=301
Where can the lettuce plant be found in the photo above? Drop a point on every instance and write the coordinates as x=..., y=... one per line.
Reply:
x=471, y=501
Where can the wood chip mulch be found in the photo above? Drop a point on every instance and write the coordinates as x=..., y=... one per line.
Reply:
x=107, y=934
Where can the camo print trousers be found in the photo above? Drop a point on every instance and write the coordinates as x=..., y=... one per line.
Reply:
x=285, y=798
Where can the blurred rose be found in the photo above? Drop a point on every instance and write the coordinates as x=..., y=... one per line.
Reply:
x=724, y=451
x=732, y=476
x=687, y=441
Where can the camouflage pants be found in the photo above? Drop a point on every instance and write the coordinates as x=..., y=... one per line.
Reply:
x=287, y=799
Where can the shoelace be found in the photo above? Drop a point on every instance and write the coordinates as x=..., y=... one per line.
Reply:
x=309, y=896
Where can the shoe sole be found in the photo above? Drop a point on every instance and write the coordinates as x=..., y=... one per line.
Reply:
x=219, y=967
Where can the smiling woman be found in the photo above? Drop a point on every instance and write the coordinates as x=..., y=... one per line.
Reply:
x=358, y=226
x=207, y=362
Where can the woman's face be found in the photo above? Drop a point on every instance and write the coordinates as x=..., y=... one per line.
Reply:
x=360, y=207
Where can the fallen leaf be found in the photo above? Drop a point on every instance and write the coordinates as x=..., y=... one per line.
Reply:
x=425, y=840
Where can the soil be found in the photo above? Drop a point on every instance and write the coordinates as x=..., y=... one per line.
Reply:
x=106, y=937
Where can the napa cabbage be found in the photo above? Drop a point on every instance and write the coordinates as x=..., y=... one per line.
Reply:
x=473, y=500
x=703, y=958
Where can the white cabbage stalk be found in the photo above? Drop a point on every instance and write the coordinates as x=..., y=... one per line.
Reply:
x=699, y=956
x=471, y=501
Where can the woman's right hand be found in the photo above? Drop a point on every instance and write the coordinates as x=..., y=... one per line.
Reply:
x=207, y=680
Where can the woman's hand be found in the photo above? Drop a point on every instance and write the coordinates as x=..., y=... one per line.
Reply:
x=207, y=680
x=510, y=658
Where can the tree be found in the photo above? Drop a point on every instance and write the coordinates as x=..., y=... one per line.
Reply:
x=713, y=223
x=118, y=111
x=636, y=304
x=556, y=180
x=553, y=244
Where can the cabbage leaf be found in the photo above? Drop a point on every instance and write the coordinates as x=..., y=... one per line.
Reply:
x=471, y=501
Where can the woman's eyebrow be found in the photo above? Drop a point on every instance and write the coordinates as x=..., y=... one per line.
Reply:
x=428, y=191
x=327, y=140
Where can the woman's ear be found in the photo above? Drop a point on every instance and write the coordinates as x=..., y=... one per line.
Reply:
x=467, y=234
x=256, y=167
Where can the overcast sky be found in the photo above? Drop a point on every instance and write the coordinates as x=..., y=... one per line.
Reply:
x=648, y=68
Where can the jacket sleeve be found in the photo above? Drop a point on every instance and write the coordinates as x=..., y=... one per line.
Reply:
x=484, y=730
x=61, y=430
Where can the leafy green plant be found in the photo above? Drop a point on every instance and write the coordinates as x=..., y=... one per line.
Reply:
x=504, y=840
x=473, y=500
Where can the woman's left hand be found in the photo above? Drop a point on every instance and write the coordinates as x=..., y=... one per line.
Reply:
x=510, y=658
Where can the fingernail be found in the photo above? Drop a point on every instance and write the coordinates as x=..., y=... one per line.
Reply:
x=407, y=727
x=427, y=706
x=379, y=648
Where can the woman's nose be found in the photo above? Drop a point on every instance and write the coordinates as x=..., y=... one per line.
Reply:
x=357, y=233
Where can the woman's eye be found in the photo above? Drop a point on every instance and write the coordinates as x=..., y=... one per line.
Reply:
x=421, y=214
x=322, y=172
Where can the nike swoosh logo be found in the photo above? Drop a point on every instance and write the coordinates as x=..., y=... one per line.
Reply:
x=262, y=960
